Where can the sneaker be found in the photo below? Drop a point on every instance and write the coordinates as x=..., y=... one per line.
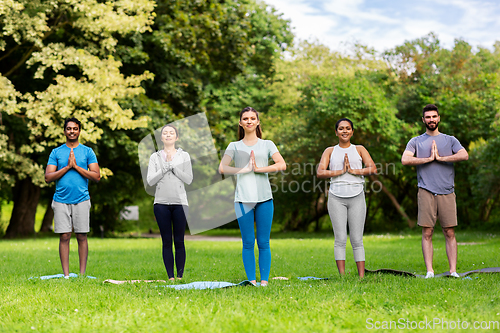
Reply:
x=455, y=274
x=429, y=275
x=66, y=277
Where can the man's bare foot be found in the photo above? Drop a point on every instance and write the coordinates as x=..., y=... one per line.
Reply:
x=172, y=279
x=264, y=283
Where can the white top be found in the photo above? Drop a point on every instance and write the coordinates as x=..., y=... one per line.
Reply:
x=252, y=187
x=346, y=185
x=169, y=177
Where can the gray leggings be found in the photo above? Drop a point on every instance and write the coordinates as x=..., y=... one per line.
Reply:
x=352, y=211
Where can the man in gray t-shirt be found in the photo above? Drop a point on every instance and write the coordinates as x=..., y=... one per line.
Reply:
x=435, y=154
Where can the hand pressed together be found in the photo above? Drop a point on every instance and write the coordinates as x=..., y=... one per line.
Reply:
x=72, y=159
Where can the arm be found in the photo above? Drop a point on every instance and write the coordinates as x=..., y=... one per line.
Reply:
x=154, y=173
x=369, y=169
x=461, y=155
x=52, y=174
x=93, y=173
x=184, y=171
x=322, y=171
x=225, y=169
x=409, y=159
x=279, y=164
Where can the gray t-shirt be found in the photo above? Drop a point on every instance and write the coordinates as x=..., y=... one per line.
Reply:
x=252, y=187
x=435, y=177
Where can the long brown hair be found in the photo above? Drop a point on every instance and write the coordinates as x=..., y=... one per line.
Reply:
x=241, y=131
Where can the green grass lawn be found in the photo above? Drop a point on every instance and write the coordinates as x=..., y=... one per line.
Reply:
x=338, y=304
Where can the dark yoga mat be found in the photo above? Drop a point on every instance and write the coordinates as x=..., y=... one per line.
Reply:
x=445, y=274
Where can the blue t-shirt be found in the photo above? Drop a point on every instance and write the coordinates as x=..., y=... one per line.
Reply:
x=72, y=188
x=435, y=177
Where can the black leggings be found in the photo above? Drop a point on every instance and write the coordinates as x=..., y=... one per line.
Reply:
x=166, y=217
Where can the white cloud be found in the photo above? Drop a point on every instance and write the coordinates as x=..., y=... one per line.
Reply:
x=334, y=22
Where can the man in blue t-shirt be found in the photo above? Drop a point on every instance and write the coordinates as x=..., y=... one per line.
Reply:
x=71, y=165
x=435, y=154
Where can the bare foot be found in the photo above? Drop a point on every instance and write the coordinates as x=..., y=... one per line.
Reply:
x=172, y=279
x=264, y=283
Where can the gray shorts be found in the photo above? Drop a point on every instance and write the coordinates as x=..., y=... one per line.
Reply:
x=68, y=217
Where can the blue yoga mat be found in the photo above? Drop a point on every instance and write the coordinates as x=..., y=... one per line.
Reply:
x=208, y=285
x=305, y=278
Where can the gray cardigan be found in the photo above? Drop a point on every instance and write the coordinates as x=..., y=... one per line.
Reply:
x=169, y=177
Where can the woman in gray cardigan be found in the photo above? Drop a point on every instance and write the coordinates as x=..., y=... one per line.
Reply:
x=169, y=169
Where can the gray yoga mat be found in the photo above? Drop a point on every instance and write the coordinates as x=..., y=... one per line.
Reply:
x=445, y=274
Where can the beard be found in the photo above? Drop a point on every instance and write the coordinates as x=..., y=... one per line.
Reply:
x=432, y=126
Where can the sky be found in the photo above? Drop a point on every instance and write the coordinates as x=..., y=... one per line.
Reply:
x=385, y=24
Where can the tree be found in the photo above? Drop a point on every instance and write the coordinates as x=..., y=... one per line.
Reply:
x=57, y=61
x=197, y=47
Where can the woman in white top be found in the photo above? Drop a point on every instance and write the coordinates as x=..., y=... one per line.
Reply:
x=169, y=169
x=346, y=198
x=253, y=197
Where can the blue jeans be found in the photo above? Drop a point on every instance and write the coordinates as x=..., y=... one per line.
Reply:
x=262, y=214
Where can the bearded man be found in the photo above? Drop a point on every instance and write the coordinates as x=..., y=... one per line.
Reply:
x=435, y=154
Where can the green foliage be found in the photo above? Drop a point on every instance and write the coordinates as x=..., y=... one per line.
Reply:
x=199, y=46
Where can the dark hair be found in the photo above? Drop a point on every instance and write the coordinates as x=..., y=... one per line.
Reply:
x=344, y=119
x=241, y=131
x=74, y=120
x=429, y=107
x=175, y=129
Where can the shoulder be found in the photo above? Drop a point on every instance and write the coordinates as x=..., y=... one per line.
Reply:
x=86, y=149
x=454, y=141
x=422, y=136
x=329, y=150
x=418, y=138
x=448, y=137
x=361, y=149
x=184, y=153
x=59, y=149
x=270, y=146
x=267, y=143
x=327, y=153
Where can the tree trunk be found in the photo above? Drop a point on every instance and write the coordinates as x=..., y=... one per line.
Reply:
x=394, y=201
x=47, y=219
x=22, y=221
